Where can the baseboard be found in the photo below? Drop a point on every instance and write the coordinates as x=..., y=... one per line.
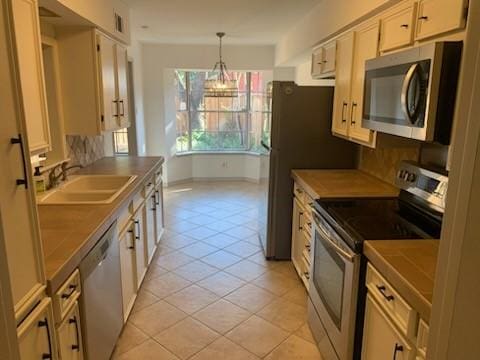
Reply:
x=212, y=179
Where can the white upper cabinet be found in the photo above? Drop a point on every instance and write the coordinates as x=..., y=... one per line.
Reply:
x=323, y=61
x=29, y=57
x=106, y=68
x=343, y=76
x=439, y=16
x=94, y=81
x=353, y=49
x=397, y=27
x=365, y=48
x=121, y=72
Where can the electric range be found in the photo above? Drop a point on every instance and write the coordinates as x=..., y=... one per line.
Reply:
x=340, y=227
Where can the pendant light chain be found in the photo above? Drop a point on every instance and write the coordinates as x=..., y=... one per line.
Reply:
x=222, y=86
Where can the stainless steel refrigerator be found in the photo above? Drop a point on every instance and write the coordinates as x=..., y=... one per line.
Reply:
x=301, y=138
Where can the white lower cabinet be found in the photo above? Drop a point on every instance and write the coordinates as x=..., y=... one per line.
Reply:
x=128, y=269
x=140, y=244
x=159, y=221
x=150, y=208
x=36, y=337
x=381, y=340
x=301, y=234
x=69, y=335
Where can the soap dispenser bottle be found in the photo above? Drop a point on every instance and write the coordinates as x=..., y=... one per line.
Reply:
x=39, y=180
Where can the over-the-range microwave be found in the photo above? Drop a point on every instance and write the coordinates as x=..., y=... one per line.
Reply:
x=412, y=93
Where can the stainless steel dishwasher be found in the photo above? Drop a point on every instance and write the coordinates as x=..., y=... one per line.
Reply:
x=101, y=301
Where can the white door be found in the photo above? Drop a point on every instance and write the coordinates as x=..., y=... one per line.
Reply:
x=343, y=75
x=30, y=64
x=140, y=244
x=380, y=338
x=36, y=337
x=122, y=85
x=366, y=47
x=69, y=335
x=110, y=111
x=17, y=202
x=159, y=221
x=150, y=204
x=128, y=269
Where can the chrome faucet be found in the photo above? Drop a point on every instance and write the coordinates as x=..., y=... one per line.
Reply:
x=53, y=179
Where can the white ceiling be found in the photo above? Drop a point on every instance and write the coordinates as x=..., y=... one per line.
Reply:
x=197, y=21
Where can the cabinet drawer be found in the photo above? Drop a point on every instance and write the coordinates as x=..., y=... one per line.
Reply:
x=158, y=176
x=148, y=187
x=299, y=193
x=397, y=29
x=66, y=295
x=394, y=305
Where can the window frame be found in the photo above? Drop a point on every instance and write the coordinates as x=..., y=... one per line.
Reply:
x=245, y=133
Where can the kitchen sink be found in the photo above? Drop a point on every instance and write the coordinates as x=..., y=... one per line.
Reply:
x=87, y=189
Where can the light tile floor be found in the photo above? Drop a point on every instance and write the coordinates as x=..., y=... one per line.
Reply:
x=209, y=293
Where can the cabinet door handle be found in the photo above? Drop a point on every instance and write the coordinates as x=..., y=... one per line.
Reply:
x=75, y=347
x=15, y=141
x=116, y=108
x=72, y=290
x=307, y=275
x=344, y=105
x=398, y=348
x=49, y=355
x=382, y=289
x=423, y=18
x=405, y=26
x=352, y=119
x=157, y=197
x=137, y=224
x=154, y=202
x=121, y=102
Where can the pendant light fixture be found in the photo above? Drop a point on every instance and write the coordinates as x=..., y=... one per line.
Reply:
x=219, y=83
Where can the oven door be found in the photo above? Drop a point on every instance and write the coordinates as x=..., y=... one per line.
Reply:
x=395, y=98
x=334, y=286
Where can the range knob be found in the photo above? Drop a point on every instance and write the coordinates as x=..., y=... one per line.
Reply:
x=411, y=177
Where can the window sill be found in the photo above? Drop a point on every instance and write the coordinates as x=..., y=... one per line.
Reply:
x=188, y=153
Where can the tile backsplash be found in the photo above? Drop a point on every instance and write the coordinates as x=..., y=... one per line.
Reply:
x=85, y=150
x=383, y=162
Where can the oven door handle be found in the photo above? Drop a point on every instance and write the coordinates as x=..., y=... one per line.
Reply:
x=405, y=88
x=327, y=237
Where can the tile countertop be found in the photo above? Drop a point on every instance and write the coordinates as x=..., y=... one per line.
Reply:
x=409, y=265
x=342, y=184
x=69, y=232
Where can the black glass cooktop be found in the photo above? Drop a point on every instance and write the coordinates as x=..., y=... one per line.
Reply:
x=378, y=219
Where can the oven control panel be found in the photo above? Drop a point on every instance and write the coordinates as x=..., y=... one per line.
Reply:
x=425, y=183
